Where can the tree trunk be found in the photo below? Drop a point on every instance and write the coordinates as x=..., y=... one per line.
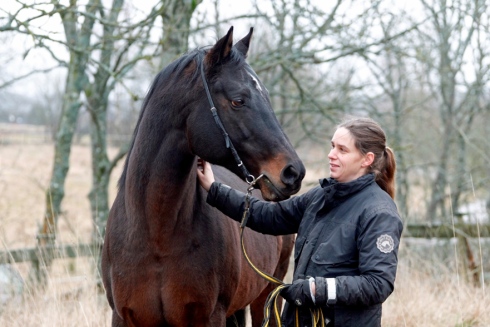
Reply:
x=98, y=99
x=446, y=88
x=402, y=185
x=440, y=181
x=77, y=41
x=460, y=179
x=176, y=26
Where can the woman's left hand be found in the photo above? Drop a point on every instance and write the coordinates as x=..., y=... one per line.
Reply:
x=298, y=293
x=205, y=174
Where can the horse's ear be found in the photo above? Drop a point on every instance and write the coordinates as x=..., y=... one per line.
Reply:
x=243, y=44
x=221, y=50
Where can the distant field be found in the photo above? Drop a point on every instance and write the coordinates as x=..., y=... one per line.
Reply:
x=428, y=293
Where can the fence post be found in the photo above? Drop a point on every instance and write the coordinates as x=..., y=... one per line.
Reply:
x=43, y=258
x=467, y=265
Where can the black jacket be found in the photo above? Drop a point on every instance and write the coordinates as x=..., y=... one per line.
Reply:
x=347, y=231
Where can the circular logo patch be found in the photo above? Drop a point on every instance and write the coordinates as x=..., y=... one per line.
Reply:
x=385, y=243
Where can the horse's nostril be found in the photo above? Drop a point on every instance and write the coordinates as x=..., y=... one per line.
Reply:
x=289, y=175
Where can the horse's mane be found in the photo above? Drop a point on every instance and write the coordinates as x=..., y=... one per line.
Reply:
x=174, y=69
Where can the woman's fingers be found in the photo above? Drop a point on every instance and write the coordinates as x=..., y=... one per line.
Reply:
x=205, y=174
x=200, y=165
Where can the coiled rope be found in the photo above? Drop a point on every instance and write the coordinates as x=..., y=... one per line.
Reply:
x=271, y=304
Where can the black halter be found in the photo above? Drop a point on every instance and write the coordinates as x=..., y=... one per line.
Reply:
x=249, y=178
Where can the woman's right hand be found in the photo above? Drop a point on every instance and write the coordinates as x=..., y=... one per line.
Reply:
x=205, y=174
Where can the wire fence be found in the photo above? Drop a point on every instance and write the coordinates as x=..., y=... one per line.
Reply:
x=26, y=134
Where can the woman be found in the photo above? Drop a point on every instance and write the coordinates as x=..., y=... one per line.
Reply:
x=348, y=229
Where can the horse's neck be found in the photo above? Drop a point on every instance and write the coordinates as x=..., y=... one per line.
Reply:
x=167, y=184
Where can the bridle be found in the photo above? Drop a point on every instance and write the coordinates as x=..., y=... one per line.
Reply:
x=249, y=178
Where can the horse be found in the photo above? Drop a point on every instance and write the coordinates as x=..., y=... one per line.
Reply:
x=168, y=258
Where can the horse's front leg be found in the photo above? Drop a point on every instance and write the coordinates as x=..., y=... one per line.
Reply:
x=238, y=319
x=117, y=321
x=218, y=318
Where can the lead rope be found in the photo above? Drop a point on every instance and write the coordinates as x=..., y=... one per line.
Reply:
x=271, y=304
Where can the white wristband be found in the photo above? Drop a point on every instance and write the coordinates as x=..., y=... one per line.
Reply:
x=331, y=290
x=312, y=281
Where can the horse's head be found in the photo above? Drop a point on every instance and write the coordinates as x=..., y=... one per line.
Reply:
x=244, y=107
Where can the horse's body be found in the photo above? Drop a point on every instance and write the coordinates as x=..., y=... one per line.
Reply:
x=169, y=259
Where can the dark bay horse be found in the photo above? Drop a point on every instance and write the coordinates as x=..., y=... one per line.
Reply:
x=169, y=259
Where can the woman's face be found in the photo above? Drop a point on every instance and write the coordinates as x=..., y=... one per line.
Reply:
x=346, y=161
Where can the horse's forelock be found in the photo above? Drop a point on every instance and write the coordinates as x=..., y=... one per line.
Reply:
x=235, y=59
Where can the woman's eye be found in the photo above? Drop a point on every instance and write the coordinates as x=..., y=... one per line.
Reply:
x=237, y=103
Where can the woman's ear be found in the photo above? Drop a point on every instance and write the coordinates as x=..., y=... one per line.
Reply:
x=368, y=160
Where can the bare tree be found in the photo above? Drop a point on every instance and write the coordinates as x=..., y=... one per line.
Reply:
x=102, y=49
x=307, y=57
x=387, y=99
x=111, y=68
x=448, y=41
x=77, y=36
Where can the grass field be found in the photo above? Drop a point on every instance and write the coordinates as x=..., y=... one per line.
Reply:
x=428, y=292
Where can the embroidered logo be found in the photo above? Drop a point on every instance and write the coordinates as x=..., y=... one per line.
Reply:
x=385, y=243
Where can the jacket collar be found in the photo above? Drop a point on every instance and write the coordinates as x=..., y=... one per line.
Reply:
x=333, y=188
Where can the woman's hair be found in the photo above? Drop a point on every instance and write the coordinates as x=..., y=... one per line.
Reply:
x=370, y=137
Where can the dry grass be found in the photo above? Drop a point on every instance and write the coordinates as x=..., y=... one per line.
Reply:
x=428, y=293
x=71, y=298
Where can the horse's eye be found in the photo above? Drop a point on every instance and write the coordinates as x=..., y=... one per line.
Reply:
x=237, y=103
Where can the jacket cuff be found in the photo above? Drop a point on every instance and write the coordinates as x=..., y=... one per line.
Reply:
x=321, y=294
x=226, y=200
x=325, y=291
x=216, y=194
x=212, y=194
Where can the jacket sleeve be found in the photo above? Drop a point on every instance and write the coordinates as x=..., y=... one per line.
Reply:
x=274, y=218
x=377, y=242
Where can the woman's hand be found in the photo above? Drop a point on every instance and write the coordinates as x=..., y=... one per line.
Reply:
x=205, y=174
x=299, y=293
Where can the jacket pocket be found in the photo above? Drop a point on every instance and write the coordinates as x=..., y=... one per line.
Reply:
x=338, y=248
x=332, y=254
